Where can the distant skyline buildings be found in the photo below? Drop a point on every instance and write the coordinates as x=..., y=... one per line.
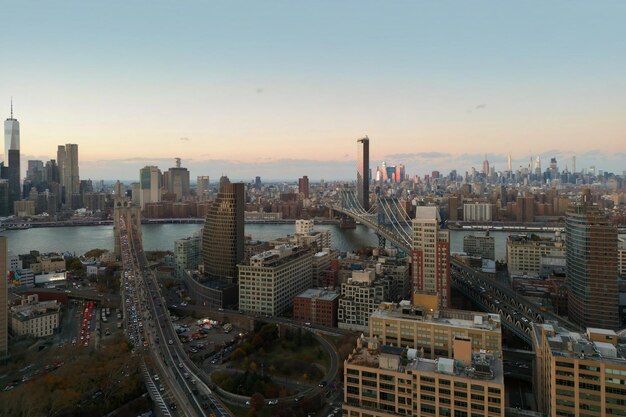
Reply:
x=401, y=165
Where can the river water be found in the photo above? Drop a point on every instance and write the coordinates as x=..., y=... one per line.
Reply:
x=80, y=239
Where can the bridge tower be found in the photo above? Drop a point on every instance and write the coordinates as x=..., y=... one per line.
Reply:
x=132, y=216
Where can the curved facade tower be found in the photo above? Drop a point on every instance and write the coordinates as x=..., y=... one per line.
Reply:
x=222, y=237
x=591, y=265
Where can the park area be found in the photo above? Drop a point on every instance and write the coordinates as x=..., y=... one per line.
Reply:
x=274, y=365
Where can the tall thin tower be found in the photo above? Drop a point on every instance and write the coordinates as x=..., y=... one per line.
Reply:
x=12, y=157
x=11, y=135
x=363, y=173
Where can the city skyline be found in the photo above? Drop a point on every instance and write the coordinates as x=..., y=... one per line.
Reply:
x=222, y=87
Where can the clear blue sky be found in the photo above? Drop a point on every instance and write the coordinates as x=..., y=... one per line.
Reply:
x=273, y=87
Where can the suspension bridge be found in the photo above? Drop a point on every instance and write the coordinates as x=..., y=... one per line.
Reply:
x=392, y=224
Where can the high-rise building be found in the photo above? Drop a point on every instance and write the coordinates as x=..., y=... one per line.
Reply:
x=486, y=166
x=578, y=374
x=430, y=256
x=271, y=280
x=591, y=265
x=303, y=186
x=4, y=341
x=202, y=187
x=4, y=198
x=363, y=173
x=187, y=254
x=15, y=182
x=176, y=181
x=67, y=158
x=223, y=238
x=423, y=376
x=34, y=173
x=151, y=182
x=11, y=135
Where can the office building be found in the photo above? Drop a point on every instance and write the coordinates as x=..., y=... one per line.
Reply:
x=434, y=331
x=151, y=182
x=389, y=380
x=316, y=306
x=35, y=318
x=4, y=340
x=176, y=181
x=67, y=159
x=591, y=266
x=579, y=374
x=34, y=173
x=11, y=136
x=303, y=186
x=271, y=280
x=14, y=177
x=202, y=187
x=363, y=173
x=430, y=255
x=526, y=254
x=223, y=238
x=483, y=246
x=187, y=254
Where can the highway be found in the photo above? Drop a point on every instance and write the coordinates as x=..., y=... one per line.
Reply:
x=184, y=379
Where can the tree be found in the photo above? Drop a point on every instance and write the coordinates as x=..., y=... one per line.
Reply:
x=257, y=401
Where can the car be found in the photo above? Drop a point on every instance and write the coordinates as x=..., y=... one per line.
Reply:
x=322, y=384
x=299, y=398
x=171, y=342
x=173, y=406
x=272, y=402
x=307, y=324
x=180, y=365
x=156, y=377
x=248, y=402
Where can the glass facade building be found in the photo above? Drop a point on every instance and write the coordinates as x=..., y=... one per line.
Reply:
x=223, y=239
x=591, y=255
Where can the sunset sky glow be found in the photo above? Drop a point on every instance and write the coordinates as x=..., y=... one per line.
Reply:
x=283, y=89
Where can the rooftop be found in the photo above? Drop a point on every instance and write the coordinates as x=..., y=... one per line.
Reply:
x=370, y=353
x=448, y=317
x=319, y=294
x=568, y=344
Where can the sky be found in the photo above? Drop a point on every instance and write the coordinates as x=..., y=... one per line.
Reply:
x=283, y=89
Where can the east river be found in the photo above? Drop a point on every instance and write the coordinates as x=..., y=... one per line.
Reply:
x=80, y=239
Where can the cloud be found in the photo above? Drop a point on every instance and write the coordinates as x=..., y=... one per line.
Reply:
x=185, y=139
x=480, y=106
x=259, y=91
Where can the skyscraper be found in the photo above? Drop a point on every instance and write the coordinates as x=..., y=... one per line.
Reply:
x=4, y=341
x=486, y=166
x=303, y=186
x=430, y=255
x=11, y=135
x=591, y=266
x=67, y=158
x=12, y=158
x=223, y=239
x=363, y=173
x=151, y=182
x=15, y=181
x=202, y=187
x=178, y=181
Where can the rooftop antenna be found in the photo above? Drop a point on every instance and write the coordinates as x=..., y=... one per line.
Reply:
x=11, y=107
